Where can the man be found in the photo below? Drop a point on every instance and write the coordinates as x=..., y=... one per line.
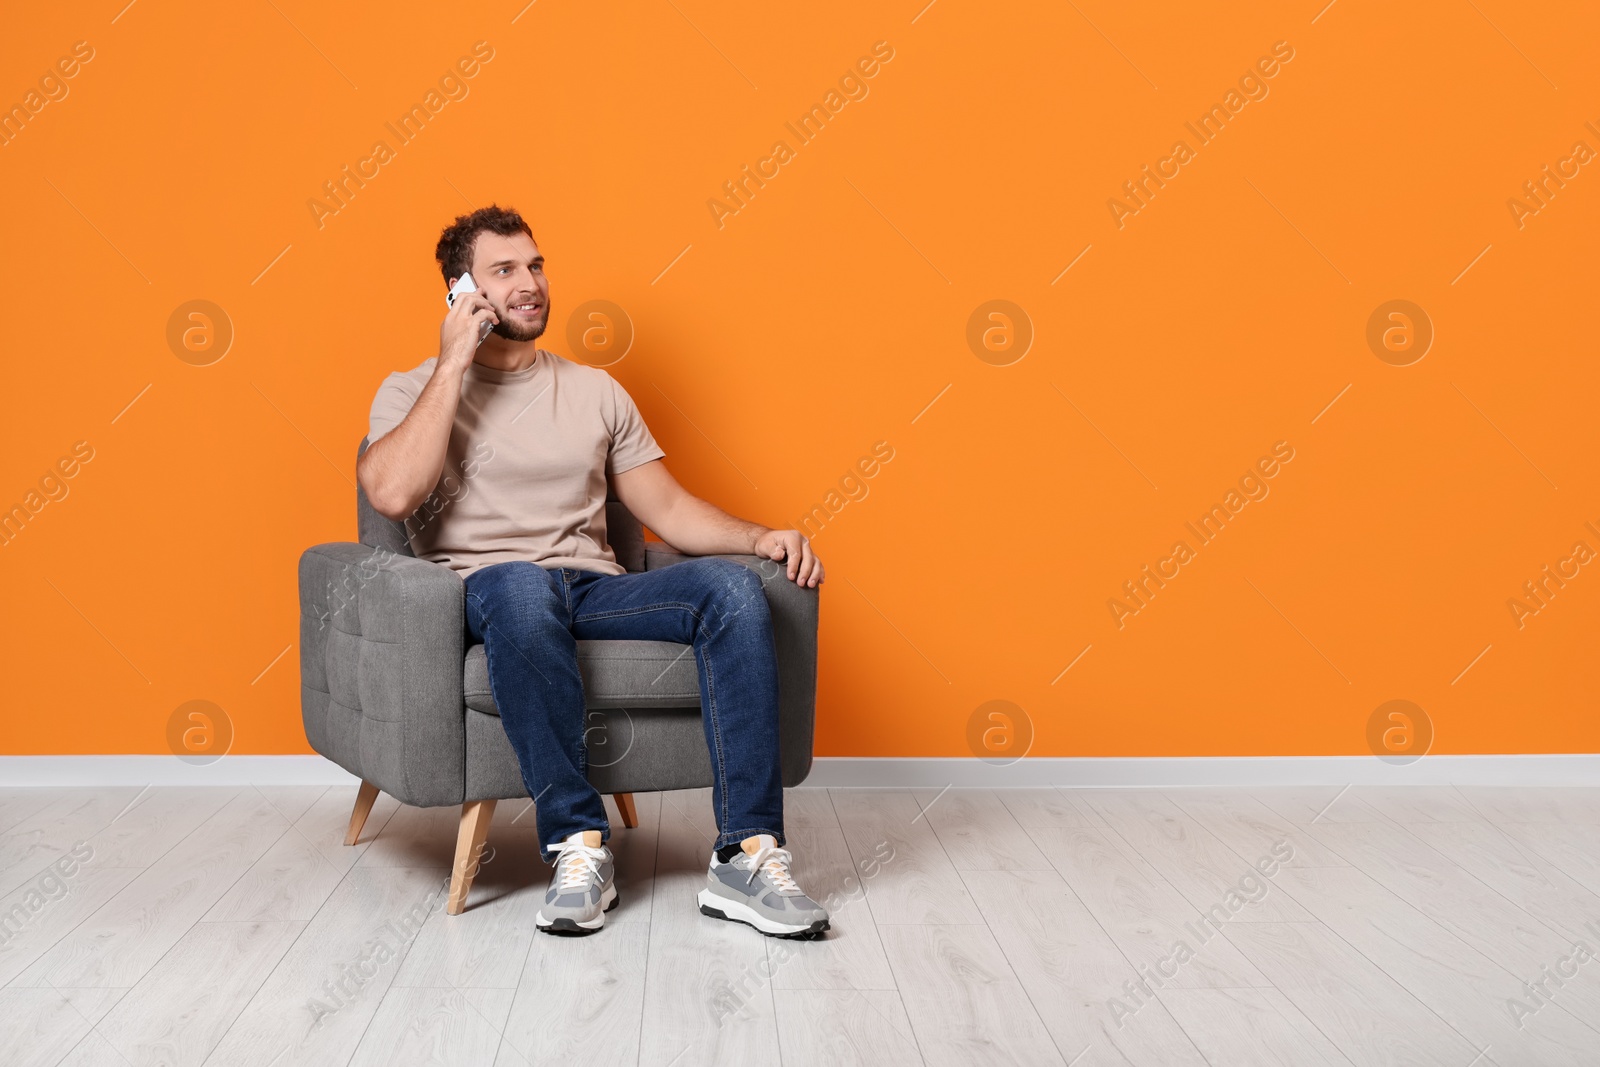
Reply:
x=528, y=440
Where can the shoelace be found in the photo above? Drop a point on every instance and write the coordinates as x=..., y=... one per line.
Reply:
x=774, y=862
x=577, y=863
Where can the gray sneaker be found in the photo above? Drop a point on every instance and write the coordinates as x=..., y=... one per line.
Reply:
x=582, y=887
x=755, y=888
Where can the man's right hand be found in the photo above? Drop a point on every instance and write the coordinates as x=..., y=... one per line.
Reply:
x=458, y=334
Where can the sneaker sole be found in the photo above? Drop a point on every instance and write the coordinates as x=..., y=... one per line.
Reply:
x=722, y=908
x=608, y=901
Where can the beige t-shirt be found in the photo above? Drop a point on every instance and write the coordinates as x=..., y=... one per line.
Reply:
x=525, y=473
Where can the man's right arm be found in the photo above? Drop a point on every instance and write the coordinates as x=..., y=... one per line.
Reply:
x=401, y=468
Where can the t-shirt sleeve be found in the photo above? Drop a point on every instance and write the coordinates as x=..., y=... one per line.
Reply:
x=390, y=406
x=631, y=441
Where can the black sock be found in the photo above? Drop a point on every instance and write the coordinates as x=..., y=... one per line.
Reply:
x=727, y=852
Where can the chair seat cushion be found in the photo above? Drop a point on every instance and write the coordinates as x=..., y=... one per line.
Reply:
x=616, y=674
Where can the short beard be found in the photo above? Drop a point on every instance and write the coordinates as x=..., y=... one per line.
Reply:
x=513, y=332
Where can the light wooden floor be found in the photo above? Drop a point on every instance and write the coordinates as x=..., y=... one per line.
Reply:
x=201, y=926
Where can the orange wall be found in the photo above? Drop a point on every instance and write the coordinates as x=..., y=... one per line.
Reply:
x=825, y=315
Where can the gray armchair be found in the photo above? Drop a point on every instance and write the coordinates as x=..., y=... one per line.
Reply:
x=392, y=690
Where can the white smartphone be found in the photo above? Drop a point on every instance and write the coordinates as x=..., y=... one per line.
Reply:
x=465, y=284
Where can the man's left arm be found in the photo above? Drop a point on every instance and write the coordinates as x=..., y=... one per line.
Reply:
x=699, y=528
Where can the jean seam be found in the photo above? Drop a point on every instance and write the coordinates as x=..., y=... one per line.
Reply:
x=716, y=732
x=674, y=604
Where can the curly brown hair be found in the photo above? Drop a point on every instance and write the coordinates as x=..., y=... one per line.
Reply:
x=454, y=251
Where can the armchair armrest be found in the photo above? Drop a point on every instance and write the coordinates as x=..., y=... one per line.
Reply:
x=381, y=652
x=794, y=630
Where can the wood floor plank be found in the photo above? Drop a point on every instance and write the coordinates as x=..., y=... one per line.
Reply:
x=327, y=820
x=963, y=998
x=144, y=832
x=1367, y=1015
x=93, y=1051
x=316, y=1005
x=1250, y=1028
x=91, y=1002
x=845, y=1028
x=690, y=809
x=54, y=829
x=1249, y=827
x=494, y=1004
x=978, y=832
x=1494, y=856
x=418, y=1026
x=1411, y=918
x=179, y=1010
x=1307, y=804
x=38, y=1026
x=705, y=997
x=293, y=802
x=1465, y=988
x=579, y=999
x=485, y=946
x=1417, y=803
x=1041, y=807
x=1555, y=804
x=1146, y=918
x=1079, y=799
x=122, y=940
x=38, y=915
x=1430, y=882
x=921, y=885
x=18, y=803
x=1574, y=848
x=808, y=806
x=291, y=880
x=1207, y=872
x=1074, y=973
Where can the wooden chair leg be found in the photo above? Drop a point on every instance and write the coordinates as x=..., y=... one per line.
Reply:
x=470, y=839
x=358, y=816
x=630, y=814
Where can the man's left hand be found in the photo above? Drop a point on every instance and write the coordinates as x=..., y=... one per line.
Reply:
x=804, y=568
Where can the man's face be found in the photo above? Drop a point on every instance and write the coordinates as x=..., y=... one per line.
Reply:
x=510, y=274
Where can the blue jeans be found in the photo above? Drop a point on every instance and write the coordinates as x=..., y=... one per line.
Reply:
x=529, y=619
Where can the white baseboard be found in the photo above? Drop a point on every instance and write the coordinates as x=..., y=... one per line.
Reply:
x=1162, y=771
x=1537, y=769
